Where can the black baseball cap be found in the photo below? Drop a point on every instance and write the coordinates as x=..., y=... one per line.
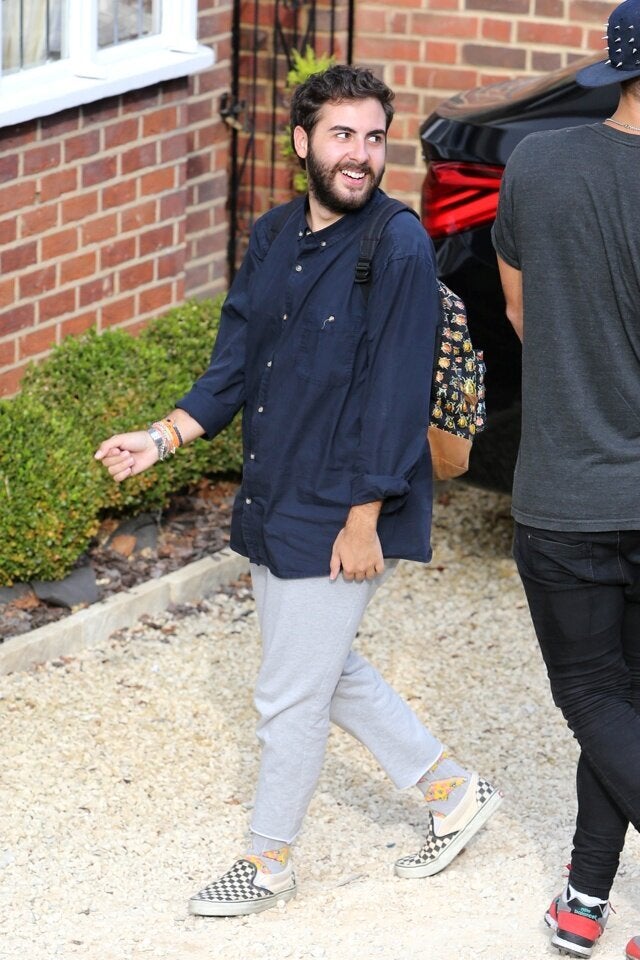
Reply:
x=623, y=46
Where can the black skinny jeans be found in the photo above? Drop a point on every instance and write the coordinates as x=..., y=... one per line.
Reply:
x=583, y=591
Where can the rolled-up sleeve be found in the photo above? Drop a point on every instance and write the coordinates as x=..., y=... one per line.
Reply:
x=402, y=319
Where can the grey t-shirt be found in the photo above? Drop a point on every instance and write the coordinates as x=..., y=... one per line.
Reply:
x=569, y=219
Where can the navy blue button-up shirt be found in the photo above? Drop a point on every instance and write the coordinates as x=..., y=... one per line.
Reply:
x=334, y=385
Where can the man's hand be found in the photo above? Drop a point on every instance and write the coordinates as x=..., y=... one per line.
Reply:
x=357, y=551
x=127, y=454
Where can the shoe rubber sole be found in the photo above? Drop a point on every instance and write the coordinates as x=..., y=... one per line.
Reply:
x=568, y=948
x=453, y=849
x=213, y=908
x=571, y=943
x=574, y=943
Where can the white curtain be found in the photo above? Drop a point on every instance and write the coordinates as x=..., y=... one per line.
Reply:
x=120, y=20
x=30, y=17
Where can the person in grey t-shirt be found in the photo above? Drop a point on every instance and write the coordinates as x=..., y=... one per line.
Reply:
x=567, y=237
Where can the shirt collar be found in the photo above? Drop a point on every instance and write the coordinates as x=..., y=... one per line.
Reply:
x=342, y=227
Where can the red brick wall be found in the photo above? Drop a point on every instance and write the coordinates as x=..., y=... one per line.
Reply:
x=207, y=158
x=113, y=212
x=429, y=49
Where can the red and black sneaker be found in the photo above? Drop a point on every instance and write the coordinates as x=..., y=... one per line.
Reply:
x=577, y=927
x=633, y=949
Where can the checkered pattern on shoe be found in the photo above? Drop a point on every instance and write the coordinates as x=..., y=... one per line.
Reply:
x=431, y=848
x=484, y=791
x=434, y=845
x=236, y=886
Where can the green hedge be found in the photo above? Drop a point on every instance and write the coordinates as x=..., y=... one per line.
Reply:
x=48, y=494
x=52, y=492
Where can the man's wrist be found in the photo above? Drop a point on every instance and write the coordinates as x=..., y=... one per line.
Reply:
x=364, y=515
x=160, y=442
x=166, y=436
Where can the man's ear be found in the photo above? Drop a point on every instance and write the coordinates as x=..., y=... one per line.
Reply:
x=301, y=142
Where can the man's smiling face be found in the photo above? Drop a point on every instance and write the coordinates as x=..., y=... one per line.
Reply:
x=345, y=154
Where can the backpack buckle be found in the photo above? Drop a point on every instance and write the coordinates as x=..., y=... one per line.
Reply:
x=363, y=271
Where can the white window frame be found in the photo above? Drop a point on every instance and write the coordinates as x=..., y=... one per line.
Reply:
x=87, y=74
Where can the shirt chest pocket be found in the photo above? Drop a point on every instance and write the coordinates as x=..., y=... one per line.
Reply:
x=327, y=349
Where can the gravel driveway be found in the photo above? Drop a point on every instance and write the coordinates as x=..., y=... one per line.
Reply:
x=128, y=774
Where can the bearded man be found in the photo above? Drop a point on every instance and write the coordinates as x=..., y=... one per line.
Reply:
x=334, y=387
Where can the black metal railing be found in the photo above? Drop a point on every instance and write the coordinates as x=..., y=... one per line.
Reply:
x=264, y=35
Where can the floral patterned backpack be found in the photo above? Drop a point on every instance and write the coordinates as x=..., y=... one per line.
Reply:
x=458, y=410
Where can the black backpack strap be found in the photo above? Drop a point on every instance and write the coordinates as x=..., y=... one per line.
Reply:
x=380, y=217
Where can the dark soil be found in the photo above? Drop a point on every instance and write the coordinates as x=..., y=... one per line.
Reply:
x=194, y=525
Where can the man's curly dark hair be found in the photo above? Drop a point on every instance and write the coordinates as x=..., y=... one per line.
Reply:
x=337, y=83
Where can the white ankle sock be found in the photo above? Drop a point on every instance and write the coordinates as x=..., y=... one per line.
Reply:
x=269, y=855
x=583, y=898
x=444, y=785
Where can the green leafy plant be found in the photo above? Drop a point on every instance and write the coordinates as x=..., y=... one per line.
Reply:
x=304, y=65
x=106, y=383
x=52, y=491
x=49, y=491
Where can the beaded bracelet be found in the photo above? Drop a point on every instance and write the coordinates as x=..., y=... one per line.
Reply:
x=169, y=438
x=166, y=437
x=174, y=433
x=175, y=427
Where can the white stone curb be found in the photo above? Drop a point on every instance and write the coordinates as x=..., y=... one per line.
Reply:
x=96, y=623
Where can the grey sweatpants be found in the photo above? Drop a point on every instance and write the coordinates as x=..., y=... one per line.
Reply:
x=310, y=676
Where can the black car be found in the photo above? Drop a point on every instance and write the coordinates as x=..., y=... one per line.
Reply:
x=466, y=143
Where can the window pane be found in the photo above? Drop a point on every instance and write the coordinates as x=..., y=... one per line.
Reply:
x=122, y=20
x=32, y=33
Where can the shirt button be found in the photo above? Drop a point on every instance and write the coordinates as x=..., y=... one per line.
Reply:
x=270, y=363
x=285, y=316
x=252, y=456
x=248, y=500
x=301, y=233
x=298, y=268
x=323, y=243
x=260, y=409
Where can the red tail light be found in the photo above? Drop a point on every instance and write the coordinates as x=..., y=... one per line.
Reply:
x=458, y=196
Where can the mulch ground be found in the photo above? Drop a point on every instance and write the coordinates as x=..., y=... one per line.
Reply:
x=194, y=525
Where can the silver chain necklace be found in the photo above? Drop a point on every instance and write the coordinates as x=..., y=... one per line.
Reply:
x=627, y=126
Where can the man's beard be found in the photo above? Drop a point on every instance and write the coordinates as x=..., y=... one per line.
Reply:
x=321, y=179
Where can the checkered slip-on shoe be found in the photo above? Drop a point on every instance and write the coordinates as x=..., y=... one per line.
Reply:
x=243, y=889
x=446, y=837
